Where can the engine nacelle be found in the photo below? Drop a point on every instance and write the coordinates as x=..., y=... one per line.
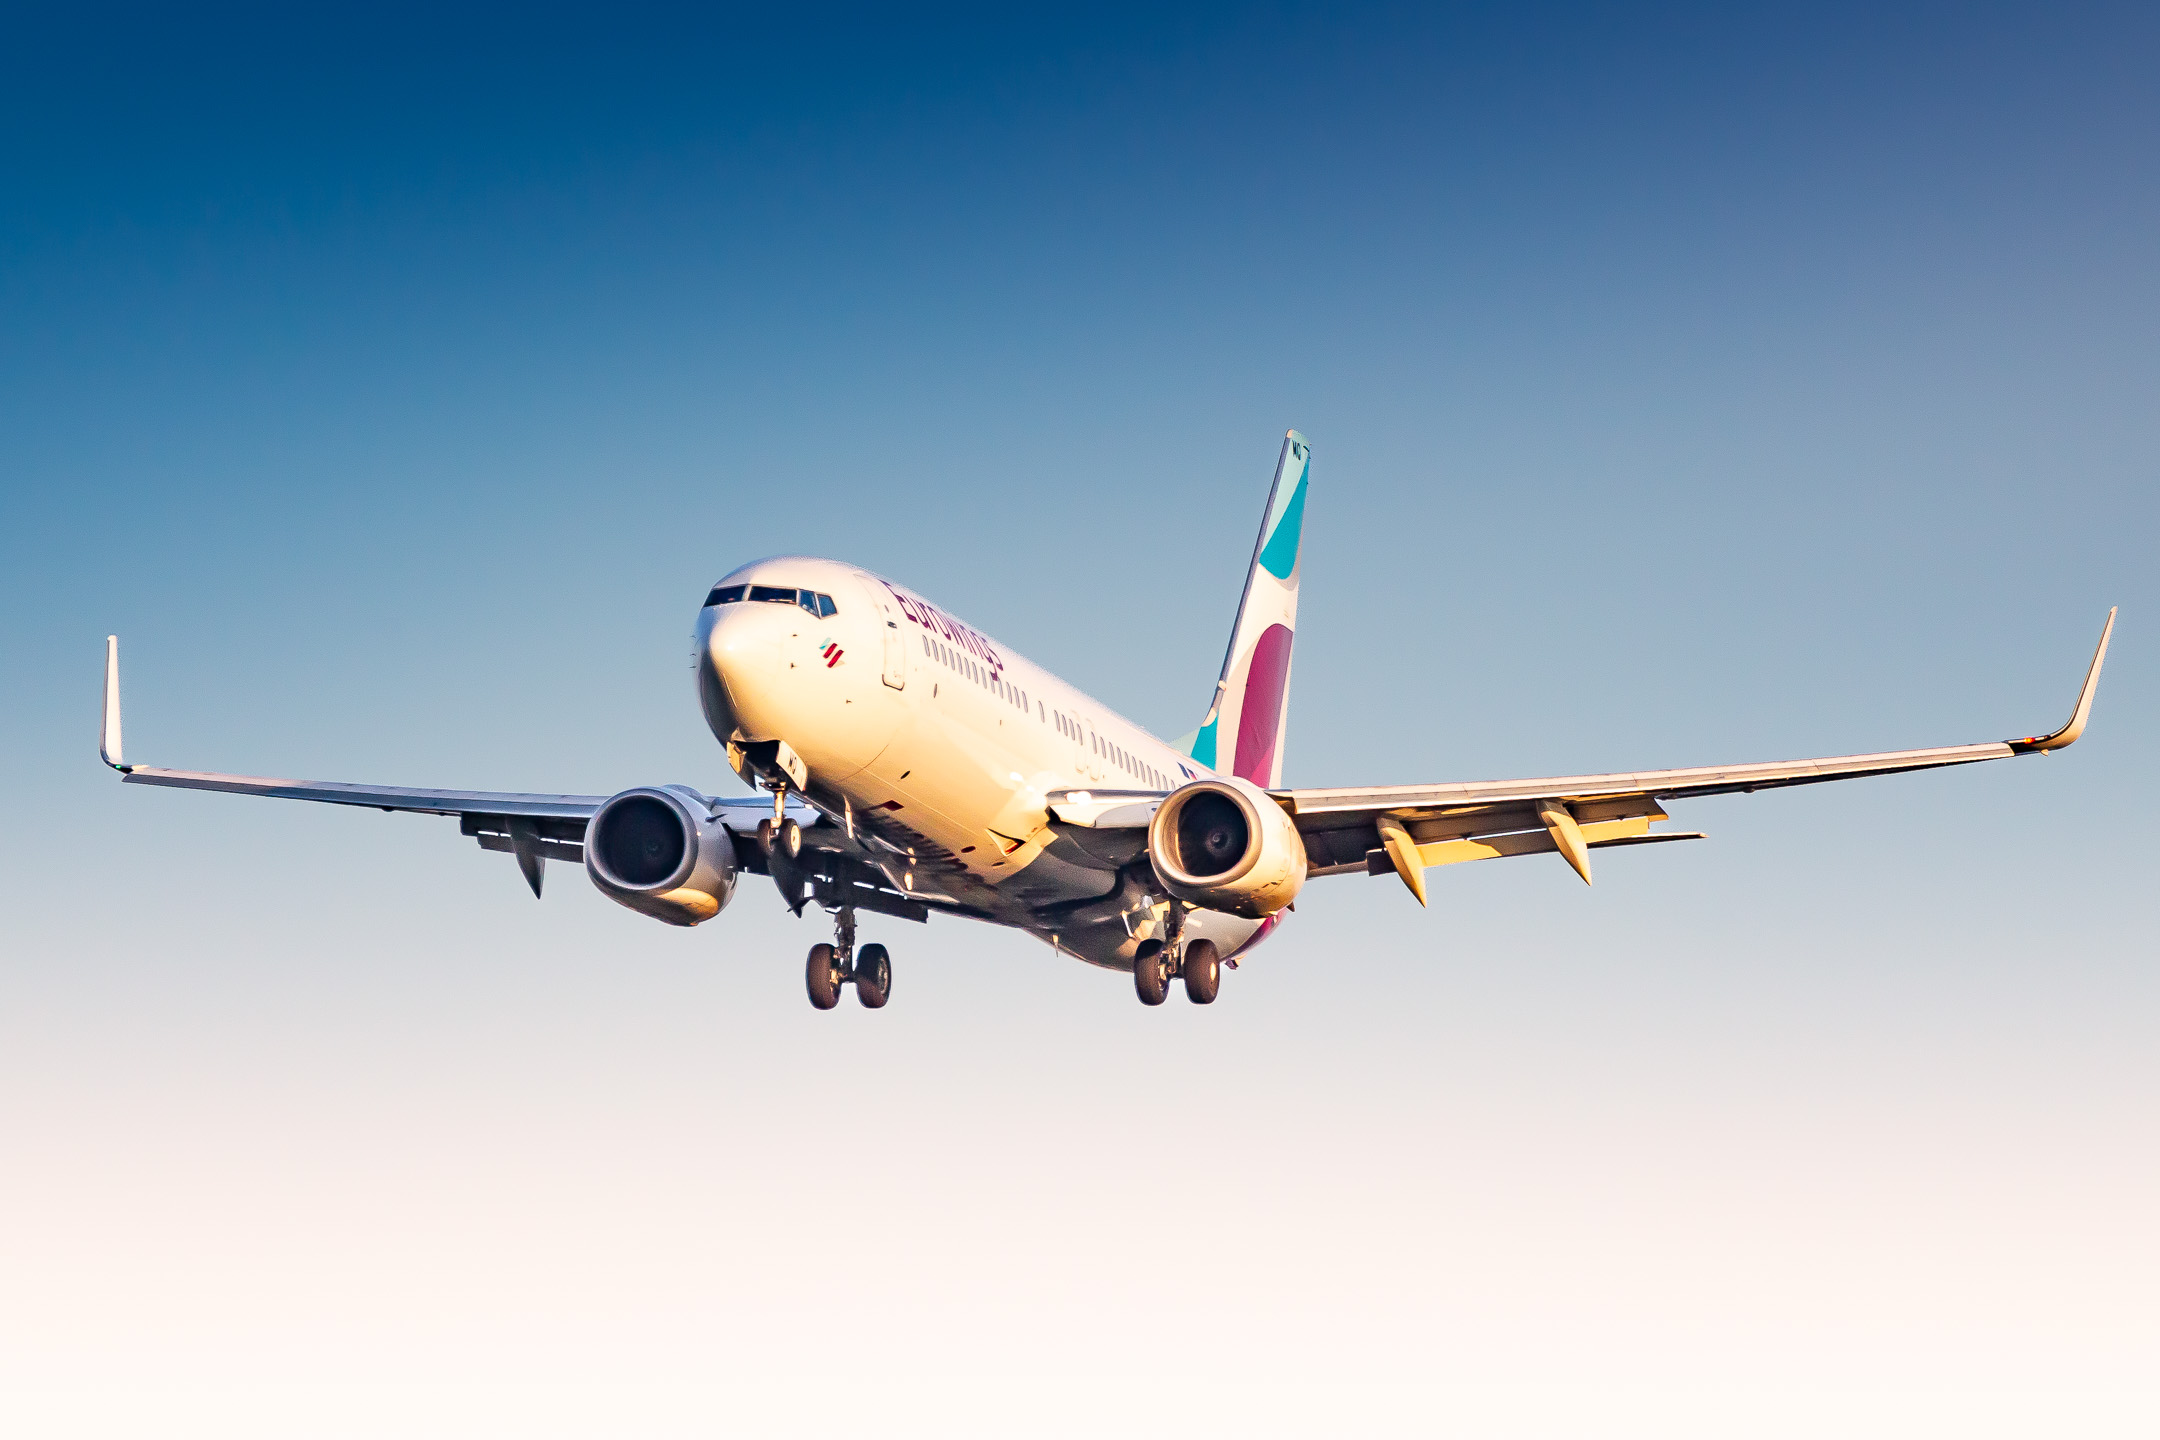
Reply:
x=660, y=852
x=1224, y=844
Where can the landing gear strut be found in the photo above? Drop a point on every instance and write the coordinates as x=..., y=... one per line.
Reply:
x=832, y=966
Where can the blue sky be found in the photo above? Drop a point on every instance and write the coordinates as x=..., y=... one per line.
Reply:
x=1684, y=386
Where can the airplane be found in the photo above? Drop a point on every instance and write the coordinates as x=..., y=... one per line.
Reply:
x=917, y=767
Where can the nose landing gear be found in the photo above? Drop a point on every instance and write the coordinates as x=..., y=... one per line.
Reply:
x=838, y=964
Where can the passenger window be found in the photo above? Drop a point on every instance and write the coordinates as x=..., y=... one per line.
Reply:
x=785, y=595
x=724, y=595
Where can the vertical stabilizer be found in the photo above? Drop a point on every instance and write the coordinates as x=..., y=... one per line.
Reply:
x=1249, y=716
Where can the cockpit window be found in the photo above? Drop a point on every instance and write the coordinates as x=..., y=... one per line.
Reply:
x=810, y=600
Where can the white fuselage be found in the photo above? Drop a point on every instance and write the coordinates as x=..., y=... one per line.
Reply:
x=944, y=743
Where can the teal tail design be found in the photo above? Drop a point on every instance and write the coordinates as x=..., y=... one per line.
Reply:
x=1248, y=720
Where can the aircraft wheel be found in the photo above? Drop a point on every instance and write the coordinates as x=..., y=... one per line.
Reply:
x=823, y=977
x=1202, y=971
x=1150, y=977
x=873, y=976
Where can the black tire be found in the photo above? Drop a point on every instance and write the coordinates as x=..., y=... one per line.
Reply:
x=873, y=977
x=1151, y=978
x=822, y=977
x=1202, y=971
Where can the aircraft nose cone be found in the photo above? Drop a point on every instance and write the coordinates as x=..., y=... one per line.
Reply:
x=732, y=658
x=741, y=667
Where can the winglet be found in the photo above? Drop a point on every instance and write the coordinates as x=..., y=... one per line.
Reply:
x=2070, y=732
x=109, y=735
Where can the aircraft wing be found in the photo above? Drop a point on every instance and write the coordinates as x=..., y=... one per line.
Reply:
x=531, y=826
x=378, y=797
x=1405, y=828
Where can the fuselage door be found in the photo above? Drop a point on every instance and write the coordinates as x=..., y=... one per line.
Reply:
x=895, y=653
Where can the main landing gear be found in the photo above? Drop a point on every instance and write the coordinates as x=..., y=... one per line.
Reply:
x=1196, y=962
x=869, y=969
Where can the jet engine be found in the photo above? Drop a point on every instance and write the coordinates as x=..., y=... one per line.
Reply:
x=1225, y=845
x=661, y=852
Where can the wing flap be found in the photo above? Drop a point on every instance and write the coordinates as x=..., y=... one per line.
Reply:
x=1526, y=842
